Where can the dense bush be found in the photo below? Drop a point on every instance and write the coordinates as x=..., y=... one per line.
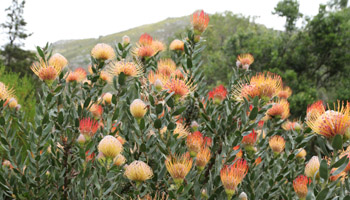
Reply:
x=158, y=134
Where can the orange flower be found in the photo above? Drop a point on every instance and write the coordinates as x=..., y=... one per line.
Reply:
x=300, y=186
x=243, y=90
x=157, y=46
x=218, y=94
x=316, y=107
x=88, y=127
x=81, y=73
x=277, y=143
x=331, y=122
x=194, y=142
x=177, y=45
x=279, y=108
x=58, y=60
x=244, y=60
x=5, y=92
x=178, y=74
x=181, y=130
x=346, y=153
x=240, y=153
x=288, y=125
x=105, y=76
x=269, y=84
x=128, y=68
x=96, y=110
x=144, y=51
x=89, y=156
x=285, y=93
x=232, y=175
x=312, y=167
x=178, y=166
x=342, y=175
x=71, y=77
x=207, y=141
x=181, y=88
x=46, y=72
x=202, y=157
x=103, y=52
x=200, y=21
x=257, y=161
x=250, y=139
x=153, y=77
x=166, y=66
x=145, y=39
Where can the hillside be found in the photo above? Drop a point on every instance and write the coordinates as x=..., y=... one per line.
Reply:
x=77, y=51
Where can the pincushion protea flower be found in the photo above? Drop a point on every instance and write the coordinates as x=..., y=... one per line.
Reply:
x=176, y=45
x=178, y=166
x=285, y=93
x=71, y=77
x=244, y=60
x=138, y=108
x=145, y=40
x=181, y=88
x=58, y=60
x=203, y=157
x=269, y=84
x=96, y=110
x=346, y=153
x=119, y=160
x=200, y=21
x=312, y=167
x=81, y=72
x=244, y=90
x=110, y=146
x=107, y=98
x=128, y=68
x=316, y=107
x=153, y=77
x=240, y=153
x=157, y=46
x=250, y=139
x=5, y=92
x=331, y=122
x=138, y=171
x=46, y=72
x=301, y=154
x=300, y=186
x=106, y=77
x=88, y=127
x=166, y=66
x=194, y=142
x=288, y=125
x=181, y=130
x=232, y=175
x=102, y=51
x=277, y=144
x=125, y=40
x=279, y=108
x=144, y=51
x=218, y=94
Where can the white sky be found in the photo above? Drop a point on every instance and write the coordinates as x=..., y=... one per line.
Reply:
x=53, y=20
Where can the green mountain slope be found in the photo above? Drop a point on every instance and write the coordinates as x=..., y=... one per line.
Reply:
x=77, y=51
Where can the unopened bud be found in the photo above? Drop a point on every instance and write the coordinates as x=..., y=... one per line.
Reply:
x=243, y=196
x=158, y=84
x=126, y=40
x=81, y=139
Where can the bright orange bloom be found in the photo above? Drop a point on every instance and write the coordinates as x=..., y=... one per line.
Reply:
x=207, y=141
x=300, y=186
x=181, y=88
x=46, y=72
x=81, y=73
x=177, y=45
x=243, y=90
x=203, y=157
x=285, y=93
x=240, y=153
x=342, y=175
x=279, y=108
x=89, y=156
x=194, y=142
x=288, y=125
x=249, y=139
x=58, y=60
x=88, y=127
x=158, y=46
x=178, y=166
x=128, y=68
x=144, y=51
x=269, y=84
x=166, y=66
x=316, y=107
x=277, y=143
x=218, y=94
x=346, y=153
x=232, y=175
x=103, y=52
x=257, y=161
x=105, y=76
x=331, y=122
x=245, y=60
x=96, y=110
x=145, y=39
x=200, y=21
x=71, y=77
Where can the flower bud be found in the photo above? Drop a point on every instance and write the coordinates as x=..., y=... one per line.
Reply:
x=194, y=126
x=107, y=98
x=126, y=40
x=119, y=160
x=138, y=108
x=110, y=146
x=81, y=139
x=12, y=103
x=243, y=196
x=312, y=167
x=158, y=84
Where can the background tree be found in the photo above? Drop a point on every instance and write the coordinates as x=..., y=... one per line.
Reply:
x=14, y=57
x=290, y=10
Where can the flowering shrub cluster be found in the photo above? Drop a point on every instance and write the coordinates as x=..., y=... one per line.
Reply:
x=138, y=125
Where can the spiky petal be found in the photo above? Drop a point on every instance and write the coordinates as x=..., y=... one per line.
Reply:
x=46, y=72
x=277, y=143
x=218, y=94
x=300, y=186
x=194, y=142
x=88, y=127
x=279, y=108
x=181, y=88
x=269, y=84
x=245, y=60
x=166, y=67
x=176, y=45
x=128, y=68
x=203, y=157
x=58, y=60
x=200, y=21
x=138, y=171
x=178, y=166
x=232, y=175
x=102, y=51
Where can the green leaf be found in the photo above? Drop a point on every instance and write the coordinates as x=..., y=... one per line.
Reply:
x=339, y=162
x=253, y=113
x=60, y=118
x=87, y=102
x=178, y=111
x=159, y=108
x=189, y=63
x=41, y=53
x=341, y=168
x=157, y=123
x=337, y=142
x=121, y=78
x=2, y=121
x=324, y=170
x=143, y=147
x=323, y=194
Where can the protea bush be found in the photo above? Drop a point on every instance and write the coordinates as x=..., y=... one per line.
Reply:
x=139, y=123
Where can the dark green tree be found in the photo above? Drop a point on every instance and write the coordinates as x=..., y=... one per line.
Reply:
x=290, y=10
x=12, y=54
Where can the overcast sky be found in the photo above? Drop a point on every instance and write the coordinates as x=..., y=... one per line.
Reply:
x=53, y=20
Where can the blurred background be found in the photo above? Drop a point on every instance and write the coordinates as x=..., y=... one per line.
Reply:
x=306, y=42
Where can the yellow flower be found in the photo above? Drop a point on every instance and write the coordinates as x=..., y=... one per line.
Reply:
x=107, y=98
x=5, y=92
x=119, y=160
x=110, y=146
x=243, y=90
x=46, y=72
x=178, y=166
x=312, y=167
x=157, y=46
x=138, y=108
x=176, y=45
x=128, y=68
x=277, y=143
x=269, y=84
x=138, y=171
x=331, y=122
x=203, y=158
x=285, y=93
x=181, y=88
x=245, y=60
x=166, y=66
x=301, y=154
x=58, y=60
x=181, y=130
x=102, y=51
x=279, y=108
